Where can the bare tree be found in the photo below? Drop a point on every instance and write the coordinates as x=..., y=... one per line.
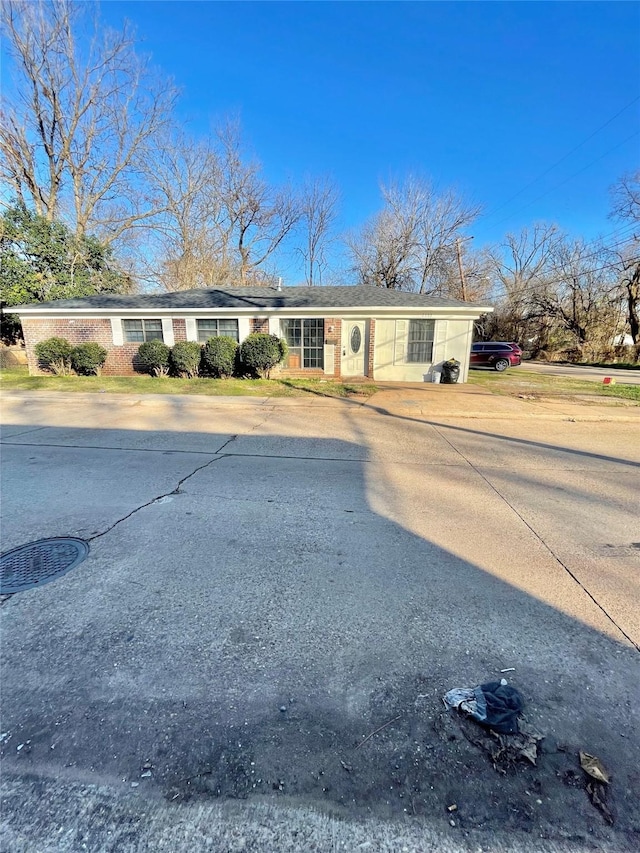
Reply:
x=626, y=208
x=87, y=111
x=255, y=216
x=625, y=197
x=582, y=295
x=319, y=210
x=411, y=243
x=380, y=252
x=184, y=248
x=521, y=267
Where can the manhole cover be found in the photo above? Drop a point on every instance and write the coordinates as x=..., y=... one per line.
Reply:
x=39, y=562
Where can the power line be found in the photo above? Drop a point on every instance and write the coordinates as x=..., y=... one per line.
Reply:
x=562, y=159
x=530, y=286
x=575, y=174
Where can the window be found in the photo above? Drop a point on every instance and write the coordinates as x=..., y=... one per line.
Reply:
x=420, y=344
x=139, y=331
x=305, y=339
x=217, y=328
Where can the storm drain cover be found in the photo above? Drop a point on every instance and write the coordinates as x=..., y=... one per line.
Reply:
x=39, y=562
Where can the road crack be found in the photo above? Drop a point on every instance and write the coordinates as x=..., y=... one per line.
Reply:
x=555, y=556
x=175, y=491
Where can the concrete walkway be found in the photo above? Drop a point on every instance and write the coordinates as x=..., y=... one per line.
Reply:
x=272, y=581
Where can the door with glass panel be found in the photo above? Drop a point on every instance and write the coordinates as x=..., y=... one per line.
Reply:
x=353, y=347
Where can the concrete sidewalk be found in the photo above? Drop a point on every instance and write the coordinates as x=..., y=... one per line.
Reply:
x=272, y=581
x=424, y=399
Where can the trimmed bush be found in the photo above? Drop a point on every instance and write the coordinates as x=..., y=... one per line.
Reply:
x=185, y=358
x=260, y=352
x=153, y=358
x=88, y=359
x=219, y=357
x=54, y=354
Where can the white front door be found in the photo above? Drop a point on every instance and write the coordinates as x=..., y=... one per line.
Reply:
x=354, y=347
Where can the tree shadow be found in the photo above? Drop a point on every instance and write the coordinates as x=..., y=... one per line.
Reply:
x=523, y=442
x=242, y=634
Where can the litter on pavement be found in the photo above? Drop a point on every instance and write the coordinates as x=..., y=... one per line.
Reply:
x=593, y=767
x=495, y=704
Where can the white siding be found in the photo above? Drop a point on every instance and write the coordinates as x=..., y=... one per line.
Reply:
x=401, y=341
x=244, y=328
x=452, y=339
x=191, y=328
x=329, y=359
x=167, y=331
x=274, y=326
x=440, y=341
x=116, y=331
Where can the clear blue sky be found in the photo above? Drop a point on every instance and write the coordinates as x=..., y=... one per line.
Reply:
x=483, y=96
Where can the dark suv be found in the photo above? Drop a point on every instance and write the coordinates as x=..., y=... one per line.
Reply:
x=496, y=354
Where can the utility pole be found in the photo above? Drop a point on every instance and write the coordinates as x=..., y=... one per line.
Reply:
x=463, y=284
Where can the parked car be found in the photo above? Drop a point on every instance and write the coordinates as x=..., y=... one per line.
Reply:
x=496, y=354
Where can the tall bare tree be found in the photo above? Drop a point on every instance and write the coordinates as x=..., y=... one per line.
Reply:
x=626, y=208
x=319, y=211
x=581, y=295
x=521, y=267
x=411, y=243
x=185, y=247
x=86, y=114
x=255, y=217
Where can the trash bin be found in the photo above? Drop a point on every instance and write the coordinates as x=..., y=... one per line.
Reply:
x=450, y=371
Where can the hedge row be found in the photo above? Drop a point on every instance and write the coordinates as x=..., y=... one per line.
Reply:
x=58, y=356
x=219, y=358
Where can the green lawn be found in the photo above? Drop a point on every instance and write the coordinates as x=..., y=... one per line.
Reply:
x=510, y=383
x=18, y=379
x=514, y=384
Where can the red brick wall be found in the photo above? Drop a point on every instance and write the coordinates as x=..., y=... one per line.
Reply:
x=180, y=330
x=259, y=325
x=372, y=344
x=119, y=359
x=76, y=332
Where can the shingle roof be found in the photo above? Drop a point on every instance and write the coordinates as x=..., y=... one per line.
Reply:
x=258, y=298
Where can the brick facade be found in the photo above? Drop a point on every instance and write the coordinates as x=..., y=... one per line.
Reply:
x=120, y=358
x=179, y=330
x=372, y=344
x=259, y=325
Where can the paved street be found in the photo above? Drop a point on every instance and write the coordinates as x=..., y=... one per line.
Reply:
x=271, y=581
x=583, y=371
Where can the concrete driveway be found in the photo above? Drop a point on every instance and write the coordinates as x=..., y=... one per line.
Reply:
x=273, y=581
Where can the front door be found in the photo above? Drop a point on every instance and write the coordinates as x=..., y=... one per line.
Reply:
x=354, y=347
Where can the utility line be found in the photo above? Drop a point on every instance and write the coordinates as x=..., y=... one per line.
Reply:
x=542, y=281
x=566, y=180
x=562, y=159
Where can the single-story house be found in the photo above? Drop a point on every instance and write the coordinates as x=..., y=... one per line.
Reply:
x=359, y=331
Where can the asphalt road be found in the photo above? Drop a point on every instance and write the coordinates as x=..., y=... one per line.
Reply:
x=270, y=582
x=581, y=371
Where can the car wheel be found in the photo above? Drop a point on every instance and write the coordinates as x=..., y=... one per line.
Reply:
x=501, y=364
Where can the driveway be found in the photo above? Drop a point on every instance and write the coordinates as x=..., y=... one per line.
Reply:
x=278, y=594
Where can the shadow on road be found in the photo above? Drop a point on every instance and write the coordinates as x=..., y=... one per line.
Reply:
x=241, y=635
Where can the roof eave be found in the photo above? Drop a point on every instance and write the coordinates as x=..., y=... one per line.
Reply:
x=325, y=311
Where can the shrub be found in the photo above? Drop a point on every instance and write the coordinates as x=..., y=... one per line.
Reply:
x=219, y=357
x=88, y=358
x=185, y=358
x=10, y=329
x=54, y=354
x=260, y=352
x=153, y=358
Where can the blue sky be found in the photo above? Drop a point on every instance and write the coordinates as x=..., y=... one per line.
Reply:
x=482, y=96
